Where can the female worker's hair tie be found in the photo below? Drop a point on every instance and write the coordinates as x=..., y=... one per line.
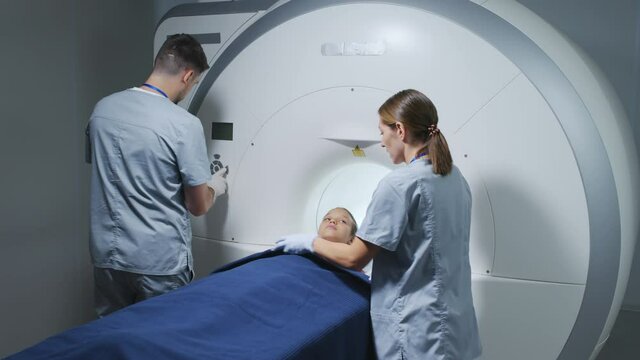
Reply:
x=433, y=129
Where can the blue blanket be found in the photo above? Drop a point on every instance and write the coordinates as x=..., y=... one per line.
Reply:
x=266, y=306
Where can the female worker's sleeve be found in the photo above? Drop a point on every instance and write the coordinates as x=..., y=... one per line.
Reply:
x=386, y=218
x=191, y=152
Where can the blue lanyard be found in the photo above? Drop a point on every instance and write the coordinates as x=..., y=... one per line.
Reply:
x=420, y=155
x=156, y=89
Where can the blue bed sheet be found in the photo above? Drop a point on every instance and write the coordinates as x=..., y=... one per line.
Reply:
x=266, y=306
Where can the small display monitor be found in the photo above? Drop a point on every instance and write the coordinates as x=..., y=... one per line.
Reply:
x=221, y=131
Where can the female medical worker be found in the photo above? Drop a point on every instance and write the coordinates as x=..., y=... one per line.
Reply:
x=417, y=230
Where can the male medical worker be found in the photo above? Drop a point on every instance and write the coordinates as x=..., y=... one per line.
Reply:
x=149, y=171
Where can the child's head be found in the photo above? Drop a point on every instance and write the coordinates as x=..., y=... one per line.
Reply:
x=338, y=225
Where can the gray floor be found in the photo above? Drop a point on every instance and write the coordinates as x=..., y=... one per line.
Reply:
x=624, y=341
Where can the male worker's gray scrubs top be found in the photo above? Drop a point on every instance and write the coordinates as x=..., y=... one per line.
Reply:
x=145, y=149
x=421, y=304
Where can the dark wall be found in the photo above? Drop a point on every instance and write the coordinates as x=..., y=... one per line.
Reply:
x=58, y=58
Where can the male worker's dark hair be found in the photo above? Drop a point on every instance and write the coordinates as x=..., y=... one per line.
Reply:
x=179, y=52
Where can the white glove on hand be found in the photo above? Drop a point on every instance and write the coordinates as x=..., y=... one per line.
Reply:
x=296, y=243
x=218, y=182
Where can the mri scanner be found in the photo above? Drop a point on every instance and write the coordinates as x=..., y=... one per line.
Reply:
x=290, y=106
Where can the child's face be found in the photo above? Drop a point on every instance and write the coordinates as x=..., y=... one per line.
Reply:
x=336, y=226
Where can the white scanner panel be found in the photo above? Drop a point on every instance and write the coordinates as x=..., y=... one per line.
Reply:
x=536, y=193
x=295, y=151
x=298, y=114
x=423, y=52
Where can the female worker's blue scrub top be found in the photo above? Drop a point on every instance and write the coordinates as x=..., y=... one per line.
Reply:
x=421, y=303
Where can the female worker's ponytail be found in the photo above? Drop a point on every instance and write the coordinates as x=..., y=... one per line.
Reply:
x=420, y=119
x=439, y=153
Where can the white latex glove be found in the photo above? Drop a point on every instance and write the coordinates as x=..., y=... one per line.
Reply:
x=218, y=182
x=296, y=243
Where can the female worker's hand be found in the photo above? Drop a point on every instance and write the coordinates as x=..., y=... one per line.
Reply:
x=296, y=243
